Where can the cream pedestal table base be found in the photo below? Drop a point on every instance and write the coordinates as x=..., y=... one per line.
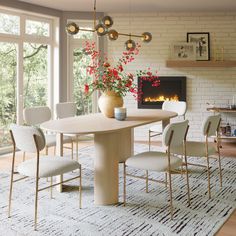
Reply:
x=113, y=142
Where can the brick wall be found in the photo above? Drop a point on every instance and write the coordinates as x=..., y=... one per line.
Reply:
x=213, y=85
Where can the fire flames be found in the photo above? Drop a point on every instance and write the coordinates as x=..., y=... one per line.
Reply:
x=161, y=98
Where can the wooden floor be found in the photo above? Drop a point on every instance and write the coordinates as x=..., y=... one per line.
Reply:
x=229, y=150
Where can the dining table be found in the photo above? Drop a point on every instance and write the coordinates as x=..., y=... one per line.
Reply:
x=113, y=141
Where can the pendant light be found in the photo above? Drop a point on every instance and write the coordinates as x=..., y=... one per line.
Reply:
x=102, y=28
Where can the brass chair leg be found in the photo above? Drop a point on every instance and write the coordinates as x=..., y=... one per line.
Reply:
x=72, y=150
x=51, y=180
x=149, y=140
x=124, y=195
x=209, y=178
x=188, y=188
x=36, y=205
x=220, y=170
x=166, y=179
x=77, y=148
x=171, y=202
x=80, y=188
x=10, y=196
x=146, y=181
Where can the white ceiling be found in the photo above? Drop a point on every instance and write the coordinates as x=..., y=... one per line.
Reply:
x=138, y=5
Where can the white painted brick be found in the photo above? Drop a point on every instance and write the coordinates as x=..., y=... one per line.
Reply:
x=213, y=85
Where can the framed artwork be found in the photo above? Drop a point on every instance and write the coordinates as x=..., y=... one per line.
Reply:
x=183, y=51
x=202, y=44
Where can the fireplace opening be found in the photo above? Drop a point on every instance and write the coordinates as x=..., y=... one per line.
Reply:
x=172, y=88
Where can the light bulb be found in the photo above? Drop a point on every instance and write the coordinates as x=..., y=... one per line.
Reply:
x=130, y=44
x=146, y=37
x=113, y=35
x=72, y=28
x=107, y=21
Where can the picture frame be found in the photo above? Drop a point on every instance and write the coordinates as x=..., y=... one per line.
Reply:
x=202, y=44
x=183, y=51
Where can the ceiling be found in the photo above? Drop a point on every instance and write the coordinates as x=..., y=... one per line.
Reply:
x=138, y=5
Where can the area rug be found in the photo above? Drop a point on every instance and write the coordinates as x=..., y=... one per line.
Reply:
x=145, y=214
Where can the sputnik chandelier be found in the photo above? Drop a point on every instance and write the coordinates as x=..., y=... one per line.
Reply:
x=103, y=28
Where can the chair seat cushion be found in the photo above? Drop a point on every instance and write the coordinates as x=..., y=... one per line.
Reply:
x=51, y=139
x=156, y=161
x=48, y=166
x=156, y=128
x=195, y=149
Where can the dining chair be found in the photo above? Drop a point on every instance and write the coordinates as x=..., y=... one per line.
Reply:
x=32, y=139
x=205, y=149
x=64, y=110
x=173, y=135
x=179, y=107
x=37, y=115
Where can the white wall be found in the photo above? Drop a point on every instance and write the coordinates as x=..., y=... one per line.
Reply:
x=214, y=85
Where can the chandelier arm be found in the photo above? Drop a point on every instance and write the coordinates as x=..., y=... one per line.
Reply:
x=88, y=30
x=131, y=35
x=94, y=15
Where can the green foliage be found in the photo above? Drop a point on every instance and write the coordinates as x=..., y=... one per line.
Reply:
x=80, y=64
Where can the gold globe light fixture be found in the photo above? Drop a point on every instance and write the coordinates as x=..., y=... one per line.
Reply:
x=102, y=29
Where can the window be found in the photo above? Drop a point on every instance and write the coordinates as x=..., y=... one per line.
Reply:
x=38, y=28
x=26, y=73
x=9, y=24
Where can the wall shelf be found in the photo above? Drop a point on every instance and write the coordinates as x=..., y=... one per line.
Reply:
x=173, y=64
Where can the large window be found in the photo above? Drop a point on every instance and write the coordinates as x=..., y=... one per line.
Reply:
x=78, y=64
x=26, y=48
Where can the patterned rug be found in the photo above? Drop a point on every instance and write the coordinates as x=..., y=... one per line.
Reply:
x=145, y=214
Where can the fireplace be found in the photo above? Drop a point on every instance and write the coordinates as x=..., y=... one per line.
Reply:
x=172, y=88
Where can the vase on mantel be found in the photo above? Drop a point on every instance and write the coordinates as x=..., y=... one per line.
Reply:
x=108, y=101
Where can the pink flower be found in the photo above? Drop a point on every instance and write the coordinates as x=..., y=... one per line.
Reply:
x=86, y=88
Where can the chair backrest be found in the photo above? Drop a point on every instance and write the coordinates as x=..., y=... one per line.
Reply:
x=65, y=109
x=179, y=107
x=36, y=115
x=178, y=131
x=213, y=123
x=24, y=138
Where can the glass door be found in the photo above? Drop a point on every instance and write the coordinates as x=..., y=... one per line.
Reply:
x=8, y=90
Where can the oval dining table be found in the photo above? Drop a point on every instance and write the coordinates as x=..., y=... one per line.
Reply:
x=113, y=142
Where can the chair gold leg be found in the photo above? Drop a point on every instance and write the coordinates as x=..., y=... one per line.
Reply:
x=10, y=196
x=149, y=140
x=36, y=205
x=146, y=181
x=124, y=195
x=80, y=188
x=166, y=179
x=72, y=150
x=77, y=149
x=209, y=178
x=171, y=202
x=220, y=170
x=51, y=189
x=188, y=188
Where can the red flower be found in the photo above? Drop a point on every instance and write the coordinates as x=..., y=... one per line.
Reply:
x=106, y=64
x=86, y=88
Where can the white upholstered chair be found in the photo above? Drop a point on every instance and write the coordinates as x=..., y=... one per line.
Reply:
x=31, y=139
x=64, y=110
x=173, y=135
x=179, y=107
x=205, y=149
x=37, y=115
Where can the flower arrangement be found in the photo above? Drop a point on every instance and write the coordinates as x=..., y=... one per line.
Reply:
x=114, y=78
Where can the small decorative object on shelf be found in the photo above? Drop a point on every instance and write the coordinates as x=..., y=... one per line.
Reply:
x=183, y=51
x=228, y=130
x=120, y=113
x=218, y=53
x=202, y=44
